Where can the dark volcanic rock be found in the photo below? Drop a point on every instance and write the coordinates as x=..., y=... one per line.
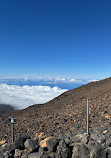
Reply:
x=54, y=147
x=97, y=152
x=19, y=143
x=52, y=144
x=31, y=145
x=63, y=151
x=81, y=151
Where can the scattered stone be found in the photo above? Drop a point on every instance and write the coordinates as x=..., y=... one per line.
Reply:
x=43, y=142
x=63, y=150
x=52, y=144
x=108, y=142
x=24, y=155
x=101, y=139
x=19, y=143
x=2, y=142
x=97, y=145
x=34, y=155
x=68, y=141
x=39, y=136
x=80, y=151
x=84, y=139
x=4, y=145
x=18, y=153
x=94, y=137
x=108, y=152
x=105, y=132
x=81, y=138
x=30, y=145
x=97, y=152
x=52, y=155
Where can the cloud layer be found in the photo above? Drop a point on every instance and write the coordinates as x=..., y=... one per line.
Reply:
x=24, y=96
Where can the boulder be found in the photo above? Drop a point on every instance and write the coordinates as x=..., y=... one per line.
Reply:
x=45, y=155
x=43, y=142
x=81, y=138
x=68, y=141
x=84, y=139
x=7, y=155
x=80, y=151
x=108, y=152
x=52, y=144
x=1, y=153
x=94, y=136
x=52, y=155
x=63, y=151
x=97, y=152
x=10, y=148
x=2, y=142
x=25, y=155
x=30, y=145
x=19, y=142
x=91, y=144
x=108, y=142
x=39, y=154
x=61, y=136
x=34, y=155
x=4, y=145
x=18, y=153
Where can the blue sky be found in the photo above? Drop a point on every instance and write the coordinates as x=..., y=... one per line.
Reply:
x=66, y=38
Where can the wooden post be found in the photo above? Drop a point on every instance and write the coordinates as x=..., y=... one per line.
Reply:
x=87, y=117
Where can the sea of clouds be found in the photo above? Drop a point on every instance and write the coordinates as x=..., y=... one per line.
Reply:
x=23, y=96
x=23, y=92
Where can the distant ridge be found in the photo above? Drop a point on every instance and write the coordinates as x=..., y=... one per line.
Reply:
x=66, y=112
x=6, y=108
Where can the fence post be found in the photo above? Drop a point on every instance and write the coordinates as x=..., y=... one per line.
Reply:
x=12, y=133
x=87, y=117
x=12, y=121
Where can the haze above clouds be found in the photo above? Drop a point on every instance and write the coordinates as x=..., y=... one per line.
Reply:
x=23, y=96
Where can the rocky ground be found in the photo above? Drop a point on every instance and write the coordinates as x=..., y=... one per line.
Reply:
x=64, y=113
x=65, y=145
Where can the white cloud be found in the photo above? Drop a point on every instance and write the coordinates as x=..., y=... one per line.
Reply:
x=76, y=80
x=46, y=80
x=72, y=80
x=59, y=79
x=24, y=96
x=92, y=80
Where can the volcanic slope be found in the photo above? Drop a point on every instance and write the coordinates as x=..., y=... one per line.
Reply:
x=64, y=113
x=6, y=108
